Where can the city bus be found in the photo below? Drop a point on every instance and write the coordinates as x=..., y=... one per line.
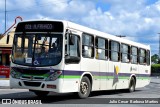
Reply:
x=63, y=57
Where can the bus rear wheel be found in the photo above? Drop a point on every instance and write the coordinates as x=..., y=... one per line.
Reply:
x=85, y=88
x=132, y=85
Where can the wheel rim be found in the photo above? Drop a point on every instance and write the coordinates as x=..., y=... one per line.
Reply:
x=84, y=88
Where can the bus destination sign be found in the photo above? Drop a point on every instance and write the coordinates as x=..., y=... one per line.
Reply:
x=40, y=26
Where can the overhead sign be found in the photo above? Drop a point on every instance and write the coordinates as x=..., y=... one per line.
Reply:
x=40, y=26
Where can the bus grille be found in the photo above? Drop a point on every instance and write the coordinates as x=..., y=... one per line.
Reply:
x=35, y=84
x=33, y=78
x=31, y=71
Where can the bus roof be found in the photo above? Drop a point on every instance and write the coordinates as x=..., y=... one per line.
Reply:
x=88, y=30
x=105, y=35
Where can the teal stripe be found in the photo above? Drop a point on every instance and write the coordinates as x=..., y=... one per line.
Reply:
x=70, y=76
x=99, y=77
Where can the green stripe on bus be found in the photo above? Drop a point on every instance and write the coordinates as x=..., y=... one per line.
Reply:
x=100, y=77
x=143, y=78
x=70, y=76
x=110, y=77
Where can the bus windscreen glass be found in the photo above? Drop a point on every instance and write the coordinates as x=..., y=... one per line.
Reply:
x=37, y=49
x=38, y=43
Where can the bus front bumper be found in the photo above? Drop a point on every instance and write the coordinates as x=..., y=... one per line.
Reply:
x=37, y=85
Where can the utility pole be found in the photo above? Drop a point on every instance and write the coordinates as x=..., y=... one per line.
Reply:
x=5, y=16
x=159, y=46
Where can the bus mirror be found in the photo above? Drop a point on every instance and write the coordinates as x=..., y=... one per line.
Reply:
x=8, y=36
x=71, y=39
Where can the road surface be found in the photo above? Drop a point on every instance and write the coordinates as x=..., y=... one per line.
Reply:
x=67, y=100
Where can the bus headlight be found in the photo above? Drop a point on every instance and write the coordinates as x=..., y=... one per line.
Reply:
x=15, y=74
x=54, y=76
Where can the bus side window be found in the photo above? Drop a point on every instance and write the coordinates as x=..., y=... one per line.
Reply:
x=87, y=45
x=125, y=53
x=142, y=56
x=148, y=57
x=101, y=48
x=114, y=51
x=72, y=50
x=134, y=55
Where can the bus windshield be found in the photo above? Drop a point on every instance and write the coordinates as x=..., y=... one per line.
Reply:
x=37, y=49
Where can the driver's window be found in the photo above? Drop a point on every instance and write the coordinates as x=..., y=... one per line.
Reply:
x=72, y=49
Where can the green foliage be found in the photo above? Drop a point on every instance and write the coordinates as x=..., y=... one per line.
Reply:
x=155, y=68
x=155, y=59
x=156, y=65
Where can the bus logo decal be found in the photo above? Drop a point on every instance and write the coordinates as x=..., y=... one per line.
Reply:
x=116, y=71
x=36, y=62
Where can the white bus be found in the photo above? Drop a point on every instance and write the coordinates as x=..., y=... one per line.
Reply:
x=61, y=56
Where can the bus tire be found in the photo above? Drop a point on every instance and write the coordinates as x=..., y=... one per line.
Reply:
x=132, y=85
x=41, y=93
x=85, y=88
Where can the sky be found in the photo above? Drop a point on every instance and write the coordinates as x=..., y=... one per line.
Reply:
x=138, y=20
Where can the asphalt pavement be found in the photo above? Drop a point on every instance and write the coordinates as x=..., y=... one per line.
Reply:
x=70, y=100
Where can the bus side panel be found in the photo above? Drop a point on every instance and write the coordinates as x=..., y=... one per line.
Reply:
x=92, y=66
x=114, y=68
x=124, y=76
x=71, y=76
x=143, y=78
x=103, y=69
x=134, y=70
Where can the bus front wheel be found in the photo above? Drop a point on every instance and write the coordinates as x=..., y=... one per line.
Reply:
x=132, y=85
x=85, y=88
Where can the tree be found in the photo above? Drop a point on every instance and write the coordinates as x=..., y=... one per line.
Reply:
x=155, y=59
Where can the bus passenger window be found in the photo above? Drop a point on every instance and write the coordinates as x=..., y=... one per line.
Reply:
x=87, y=46
x=125, y=53
x=134, y=55
x=114, y=51
x=142, y=56
x=148, y=57
x=101, y=48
